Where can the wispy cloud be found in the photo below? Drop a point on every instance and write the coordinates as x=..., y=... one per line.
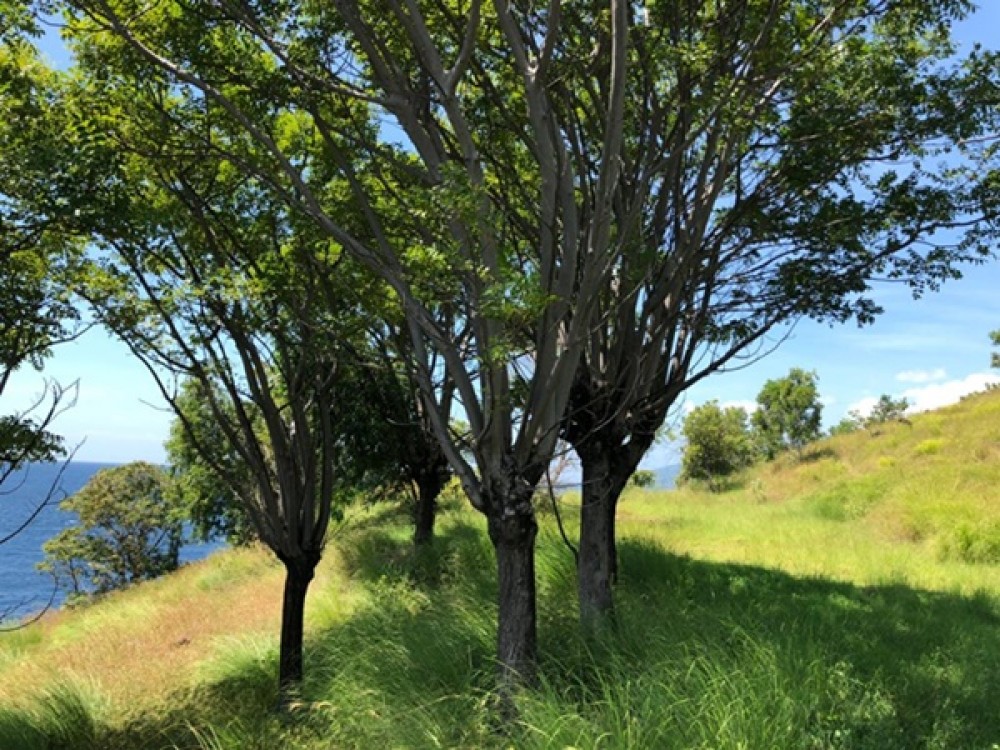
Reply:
x=748, y=406
x=922, y=376
x=913, y=341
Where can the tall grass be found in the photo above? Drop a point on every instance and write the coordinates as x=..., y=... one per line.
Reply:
x=800, y=611
x=65, y=716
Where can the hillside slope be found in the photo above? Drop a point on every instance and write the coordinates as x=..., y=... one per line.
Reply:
x=918, y=500
x=848, y=600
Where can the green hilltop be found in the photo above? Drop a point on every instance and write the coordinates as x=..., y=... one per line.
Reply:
x=848, y=599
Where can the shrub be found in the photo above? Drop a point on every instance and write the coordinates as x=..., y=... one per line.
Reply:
x=851, y=423
x=887, y=409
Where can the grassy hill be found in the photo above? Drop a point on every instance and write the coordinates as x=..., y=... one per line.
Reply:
x=850, y=599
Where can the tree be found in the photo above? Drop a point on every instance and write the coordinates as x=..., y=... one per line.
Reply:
x=392, y=438
x=643, y=478
x=719, y=444
x=386, y=447
x=887, y=409
x=35, y=312
x=464, y=222
x=776, y=160
x=129, y=530
x=212, y=281
x=995, y=356
x=789, y=413
x=208, y=279
x=586, y=188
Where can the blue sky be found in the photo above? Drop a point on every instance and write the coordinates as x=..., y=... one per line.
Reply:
x=932, y=351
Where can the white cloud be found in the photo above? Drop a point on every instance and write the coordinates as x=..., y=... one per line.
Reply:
x=937, y=395
x=933, y=395
x=922, y=376
x=863, y=406
x=748, y=406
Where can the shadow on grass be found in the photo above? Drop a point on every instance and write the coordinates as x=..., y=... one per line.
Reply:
x=937, y=654
x=383, y=553
x=845, y=667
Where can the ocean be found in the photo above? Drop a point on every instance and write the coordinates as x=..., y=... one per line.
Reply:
x=23, y=589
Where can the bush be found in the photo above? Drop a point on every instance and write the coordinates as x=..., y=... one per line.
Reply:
x=887, y=409
x=851, y=423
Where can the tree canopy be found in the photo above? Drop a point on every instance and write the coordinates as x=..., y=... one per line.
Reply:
x=789, y=412
x=36, y=311
x=577, y=209
x=129, y=529
x=718, y=443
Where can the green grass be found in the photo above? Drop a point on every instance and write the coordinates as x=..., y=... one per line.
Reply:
x=850, y=601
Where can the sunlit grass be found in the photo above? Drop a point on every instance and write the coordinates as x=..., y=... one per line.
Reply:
x=159, y=630
x=849, y=600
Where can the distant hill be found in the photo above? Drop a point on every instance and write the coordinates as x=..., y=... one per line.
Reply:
x=931, y=481
x=666, y=477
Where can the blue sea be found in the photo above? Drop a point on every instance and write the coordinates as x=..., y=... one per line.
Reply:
x=23, y=589
x=666, y=477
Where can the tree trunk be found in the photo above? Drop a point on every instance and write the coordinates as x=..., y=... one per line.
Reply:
x=513, y=536
x=298, y=575
x=425, y=510
x=597, y=569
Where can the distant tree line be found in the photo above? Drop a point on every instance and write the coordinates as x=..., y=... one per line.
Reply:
x=722, y=441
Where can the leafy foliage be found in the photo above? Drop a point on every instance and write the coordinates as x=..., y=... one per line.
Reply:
x=847, y=425
x=718, y=443
x=789, y=412
x=753, y=163
x=129, y=530
x=24, y=440
x=995, y=356
x=35, y=307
